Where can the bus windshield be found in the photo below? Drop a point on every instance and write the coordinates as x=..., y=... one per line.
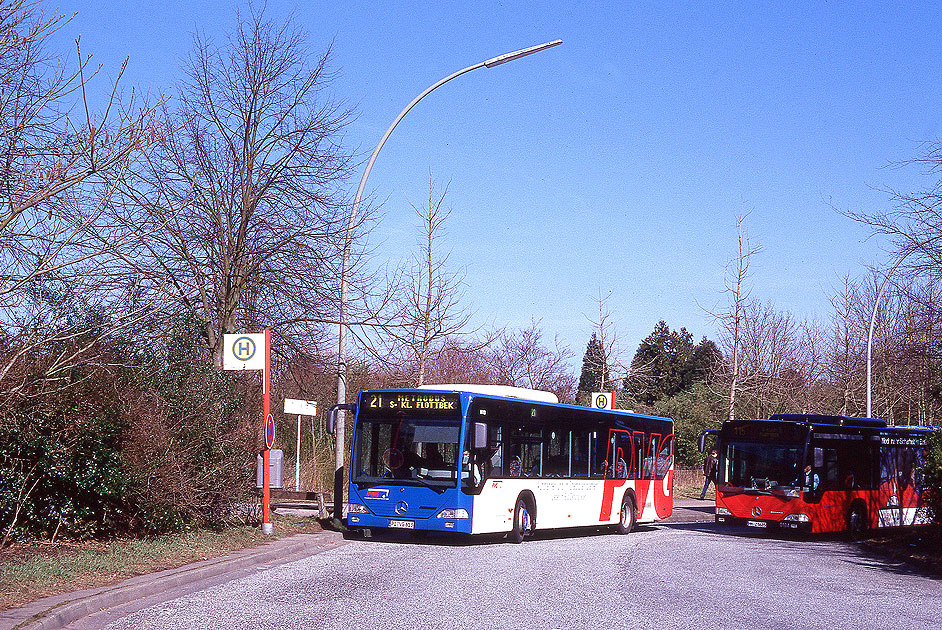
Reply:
x=762, y=466
x=415, y=450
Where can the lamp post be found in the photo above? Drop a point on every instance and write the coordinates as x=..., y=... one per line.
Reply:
x=345, y=268
x=876, y=304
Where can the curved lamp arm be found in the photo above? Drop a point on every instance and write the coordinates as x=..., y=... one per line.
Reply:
x=345, y=265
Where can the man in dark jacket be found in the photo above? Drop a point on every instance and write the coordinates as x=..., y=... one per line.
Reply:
x=709, y=472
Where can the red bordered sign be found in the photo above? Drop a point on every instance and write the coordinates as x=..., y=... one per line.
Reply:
x=269, y=431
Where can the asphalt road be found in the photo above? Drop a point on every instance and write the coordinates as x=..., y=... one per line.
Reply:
x=666, y=576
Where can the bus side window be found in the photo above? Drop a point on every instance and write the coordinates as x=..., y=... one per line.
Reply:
x=638, y=455
x=528, y=445
x=494, y=464
x=556, y=450
x=853, y=466
x=532, y=463
x=830, y=474
x=581, y=462
x=623, y=456
x=650, y=455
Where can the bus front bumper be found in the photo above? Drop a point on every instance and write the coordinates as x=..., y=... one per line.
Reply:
x=371, y=521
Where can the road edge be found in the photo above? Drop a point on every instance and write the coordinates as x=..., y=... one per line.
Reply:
x=59, y=611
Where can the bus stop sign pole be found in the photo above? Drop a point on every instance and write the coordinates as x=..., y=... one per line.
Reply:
x=269, y=440
x=241, y=352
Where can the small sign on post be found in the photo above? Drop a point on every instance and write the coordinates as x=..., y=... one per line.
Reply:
x=301, y=408
x=270, y=431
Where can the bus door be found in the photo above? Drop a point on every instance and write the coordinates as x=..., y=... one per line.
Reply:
x=617, y=467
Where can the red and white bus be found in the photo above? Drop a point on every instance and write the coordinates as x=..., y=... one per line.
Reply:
x=819, y=473
x=489, y=459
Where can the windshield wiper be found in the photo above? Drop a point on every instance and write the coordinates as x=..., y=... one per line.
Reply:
x=438, y=487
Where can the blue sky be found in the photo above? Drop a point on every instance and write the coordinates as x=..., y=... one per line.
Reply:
x=617, y=162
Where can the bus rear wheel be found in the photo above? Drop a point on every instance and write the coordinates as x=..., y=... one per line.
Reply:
x=523, y=522
x=627, y=516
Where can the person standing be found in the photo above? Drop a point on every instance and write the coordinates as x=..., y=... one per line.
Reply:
x=811, y=479
x=709, y=472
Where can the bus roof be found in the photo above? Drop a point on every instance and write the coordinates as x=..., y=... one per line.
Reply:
x=521, y=394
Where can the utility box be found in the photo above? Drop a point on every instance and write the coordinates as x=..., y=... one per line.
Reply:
x=276, y=469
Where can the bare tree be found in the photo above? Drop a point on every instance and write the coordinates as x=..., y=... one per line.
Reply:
x=426, y=317
x=248, y=183
x=57, y=174
x=604, y=365
x=768, y=359
x=914, y=229
x=914, y=356
x=733, y=319
x=456, y=363
x=810, y=369
x=846, y=356
x=522, y=359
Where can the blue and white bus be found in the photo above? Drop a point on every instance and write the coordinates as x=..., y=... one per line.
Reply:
x=489, y=459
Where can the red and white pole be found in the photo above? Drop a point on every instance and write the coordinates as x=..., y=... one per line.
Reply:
x=269, y=424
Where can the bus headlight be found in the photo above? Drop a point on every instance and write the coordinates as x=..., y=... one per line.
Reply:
x=450, y=513
x=357, y=508
x=721, y=511
x=797, y=518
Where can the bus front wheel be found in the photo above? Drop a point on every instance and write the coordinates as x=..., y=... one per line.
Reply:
x=523, y=521
x=627, y=516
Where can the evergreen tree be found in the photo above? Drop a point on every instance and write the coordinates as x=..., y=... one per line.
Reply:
x=595, y=374
x=667, y=362
x=705, y=356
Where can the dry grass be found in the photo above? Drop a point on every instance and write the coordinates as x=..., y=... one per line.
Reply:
x=688, y=482
x=29, y=572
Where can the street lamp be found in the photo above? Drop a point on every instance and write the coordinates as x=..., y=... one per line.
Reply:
x=873, y=315
x=345, y=269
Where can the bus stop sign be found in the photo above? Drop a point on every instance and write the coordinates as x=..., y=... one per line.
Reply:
x=603, y=400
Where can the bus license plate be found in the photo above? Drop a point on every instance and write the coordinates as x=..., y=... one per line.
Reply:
x=759, y=524
x=402, y=524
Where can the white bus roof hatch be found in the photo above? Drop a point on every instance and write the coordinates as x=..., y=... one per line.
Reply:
x=497, y=390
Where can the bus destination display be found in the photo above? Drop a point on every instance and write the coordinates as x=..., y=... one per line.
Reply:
x=410, y=402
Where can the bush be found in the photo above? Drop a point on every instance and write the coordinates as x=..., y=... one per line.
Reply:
x=60, y=467
x=156, y=445
x=190, y=436
x=189, y=449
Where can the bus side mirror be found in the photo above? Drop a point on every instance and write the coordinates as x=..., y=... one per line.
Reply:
x=332, y=415
x=479, y=435
x=701, y=441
